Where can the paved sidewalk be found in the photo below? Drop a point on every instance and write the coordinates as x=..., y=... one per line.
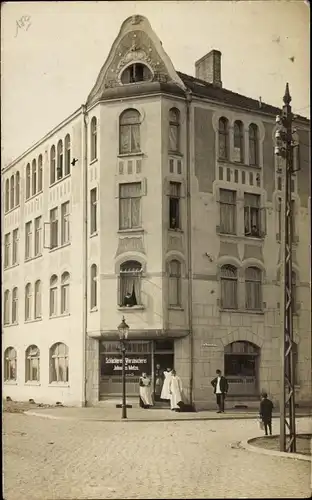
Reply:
x=113, y=414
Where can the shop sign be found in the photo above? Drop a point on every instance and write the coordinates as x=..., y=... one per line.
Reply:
x=135, y=364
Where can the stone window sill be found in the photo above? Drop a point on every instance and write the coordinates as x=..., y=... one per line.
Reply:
x=242, y=311
x=59, y=180
x=32, y=383
x=125, y=155
x=133, y=308
x=33, y=320
x=10, y=382
x=131, y=230
x=175, y=153
x=60, y=247
x=64, y=315
x=28, y=259
x=94, y=309
x=58, y=384
x=34, y=196
x=176, y=230
x=238, y=163
x=12, y=209
x=10, y=267
x=175, y=308
x=10, y=324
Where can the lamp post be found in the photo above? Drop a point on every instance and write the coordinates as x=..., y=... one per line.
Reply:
x=123, y=330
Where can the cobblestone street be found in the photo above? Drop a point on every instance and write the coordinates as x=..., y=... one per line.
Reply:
x=59, y=459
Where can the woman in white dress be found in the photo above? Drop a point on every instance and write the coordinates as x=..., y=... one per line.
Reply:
x=175, y=390
x=145, y=391
x=165, y=388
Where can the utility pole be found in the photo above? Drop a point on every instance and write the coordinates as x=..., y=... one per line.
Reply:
x=284, y=149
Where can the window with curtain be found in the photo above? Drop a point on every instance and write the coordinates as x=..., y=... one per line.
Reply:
x=6, y=315
x=253, y=145
x=175, y=283
x=223, y=139
x=14, y=305
x=59, y=371
x=40, y=173
x=28, y=181
x=130, y=205
x=174, y=130
x=93, y=211
x=32, y=363
x=227, y=211
x=65, y=278
x=17, y=188
x=7, y=249
x=12, y=191
x=238, y=142
x=252, y=215
x=28, y=297
x=7, y=195
x=93, y=285
x=10, y=364
x=34, y=177
x=15, y=247
x=38, y=299
x=93, y=130
x=228, y=287
x=174, y=205
x=52, y=165
x=59, y=168
x=67, y=154
x=253, y=288
x=130, y=283
x=53, y=295
x=129, y=132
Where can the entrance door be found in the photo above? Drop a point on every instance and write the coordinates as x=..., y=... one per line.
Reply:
x=163, y=359
x=241, y=360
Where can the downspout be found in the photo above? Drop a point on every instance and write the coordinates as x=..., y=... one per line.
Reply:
x=85, y=249
x=189, y=239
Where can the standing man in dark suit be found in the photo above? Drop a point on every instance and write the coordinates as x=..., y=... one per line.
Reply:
x=221, y=387
x=266, y=409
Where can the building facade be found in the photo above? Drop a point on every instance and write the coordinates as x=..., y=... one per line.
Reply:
x=157, y=200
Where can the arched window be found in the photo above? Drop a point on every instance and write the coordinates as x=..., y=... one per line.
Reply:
x=253, y=288
x=93, y=130
x=130, y=283
x=228, y=287
x=53, y=295
x=38, y=299
x=12, y=192
x=253, y=145
x=241, y=368
x=223, y=139
x=14, y=305
x=52, y=165
x=174, y=130
x=28, y=181
x=238, y=142
x=175, y=283
x=40, y=173
x=59, y=159
x=129, y=132
x=93, y=302
x=59, y=363
x=28, y=302
x=34, y=177
x=32, y=364
x=136, y=73
x=65, y=293
x=7, y=195
x=6, y=315
x=17, y=188
x=67, y=154
x=10, y=364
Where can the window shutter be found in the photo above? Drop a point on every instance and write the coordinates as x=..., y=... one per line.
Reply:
x=47, y=235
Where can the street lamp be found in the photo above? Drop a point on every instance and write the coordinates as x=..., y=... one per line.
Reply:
x=123, y=330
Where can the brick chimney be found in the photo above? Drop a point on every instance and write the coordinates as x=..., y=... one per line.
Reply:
x=208, y=68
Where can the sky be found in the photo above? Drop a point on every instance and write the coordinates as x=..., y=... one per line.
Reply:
x=52, y=52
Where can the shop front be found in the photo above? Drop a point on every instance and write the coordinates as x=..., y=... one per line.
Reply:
x=149, y=356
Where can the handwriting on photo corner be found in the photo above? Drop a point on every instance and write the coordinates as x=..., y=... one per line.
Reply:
x=23, y=23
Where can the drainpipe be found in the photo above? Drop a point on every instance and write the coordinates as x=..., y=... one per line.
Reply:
x=84, y=249
x=189, y=238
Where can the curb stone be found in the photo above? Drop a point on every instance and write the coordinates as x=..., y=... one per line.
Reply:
x=273, y=453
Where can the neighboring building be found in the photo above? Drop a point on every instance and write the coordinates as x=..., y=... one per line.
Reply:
x=157, y=200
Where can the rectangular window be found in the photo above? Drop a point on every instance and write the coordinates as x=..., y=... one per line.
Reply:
x=252, y=215
x=227, y=211
x=38, y=237
x=65, y=234
x=28, y=240
x=7, y=246
x=54, y=228
x=174, y=205
x=53, y=301
x=15, y=247
x=129, y=205
x=93, y=210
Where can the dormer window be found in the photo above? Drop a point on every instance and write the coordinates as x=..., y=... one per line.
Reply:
x=135, y=73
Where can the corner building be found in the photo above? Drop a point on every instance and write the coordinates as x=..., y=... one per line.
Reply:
x=159, y=199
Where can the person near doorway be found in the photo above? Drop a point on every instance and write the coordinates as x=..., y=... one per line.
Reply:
x=146, y=400
x=159, y=380
x=266, y=408
x=175, y=391
x=165, y=388
x=221, y=387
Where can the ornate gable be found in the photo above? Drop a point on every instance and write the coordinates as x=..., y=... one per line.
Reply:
x=138, y=45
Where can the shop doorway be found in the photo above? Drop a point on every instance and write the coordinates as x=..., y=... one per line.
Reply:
x=163, y=359
x=241, y=368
